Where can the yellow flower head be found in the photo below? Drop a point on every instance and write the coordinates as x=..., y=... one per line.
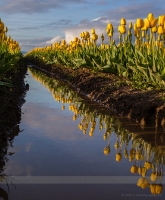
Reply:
x=118, y=157
x=152, y=20
x=122, y=29
x=161, y=30
x=130, y=25
x=154, y=29
x=106, y=150
x=93, y=31
x=139, y=23
x=122, y=21
x=109, y=26
x=161, y=20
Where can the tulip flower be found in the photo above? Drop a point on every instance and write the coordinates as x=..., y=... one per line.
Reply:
x=160, y=30
x=122, y=21
x=139, y=23
x=93, y=31
x=154, y=29
x=118, y=157
x=122, y=29
x=130, y=25
x=161, y=20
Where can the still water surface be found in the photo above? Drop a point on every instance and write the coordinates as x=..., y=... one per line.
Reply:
x=67, y=137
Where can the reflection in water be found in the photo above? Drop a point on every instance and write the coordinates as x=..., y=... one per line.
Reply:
x=6, y=140
x=148, y=158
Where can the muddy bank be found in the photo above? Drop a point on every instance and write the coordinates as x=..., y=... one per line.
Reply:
x=12, y=98
x=144, y=107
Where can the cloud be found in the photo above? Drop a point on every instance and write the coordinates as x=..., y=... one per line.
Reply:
x=27, y=44
x=136, y=10
x=52, y=41
x=45, y=125
x=34, y=6
x=102, y=2
x=61, y=22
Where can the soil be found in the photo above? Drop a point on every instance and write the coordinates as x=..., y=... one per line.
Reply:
x=144, y=107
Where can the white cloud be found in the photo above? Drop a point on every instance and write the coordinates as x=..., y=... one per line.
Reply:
x=53, y=40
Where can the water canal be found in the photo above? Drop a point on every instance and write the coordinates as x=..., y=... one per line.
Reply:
x=69, y=148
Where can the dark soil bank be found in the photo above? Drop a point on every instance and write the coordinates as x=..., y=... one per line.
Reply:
x=11, y=99
x=144, y=107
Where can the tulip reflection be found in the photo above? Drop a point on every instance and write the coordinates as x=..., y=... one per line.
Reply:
x=147, y=159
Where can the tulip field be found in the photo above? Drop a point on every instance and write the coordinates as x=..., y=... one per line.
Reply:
x=134, y=60
x=139, y=55
x=9, y=54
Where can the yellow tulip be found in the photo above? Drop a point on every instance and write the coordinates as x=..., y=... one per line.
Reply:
x=118, y=157
x=153, y=177
x=154, y=29
x=152, y=20
x=153, y=188
x=102, y=46
x=83, y=34
x=144, y=28
x=106, y=150
x=90, y=133
x=160, y=30
x=74, y=117
x=140, y=181
x=107, y=30
x=93, y=31
x=110, y=34
x=130, y=25
x=134, y=169
x=94, y=37
x=161, y=20
x=122, y=29
x=122, y=21
x=147, y=23
x=74, y=45
x=150, y=17
x=144, y=171
x=147, y=165
x=143, y=186
x=139, y=23
x=109, y=26
x=153, y=23
x=159, y=189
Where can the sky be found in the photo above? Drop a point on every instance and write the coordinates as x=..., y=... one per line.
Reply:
x=39, y=23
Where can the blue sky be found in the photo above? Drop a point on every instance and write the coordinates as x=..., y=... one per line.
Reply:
x=38, y=23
